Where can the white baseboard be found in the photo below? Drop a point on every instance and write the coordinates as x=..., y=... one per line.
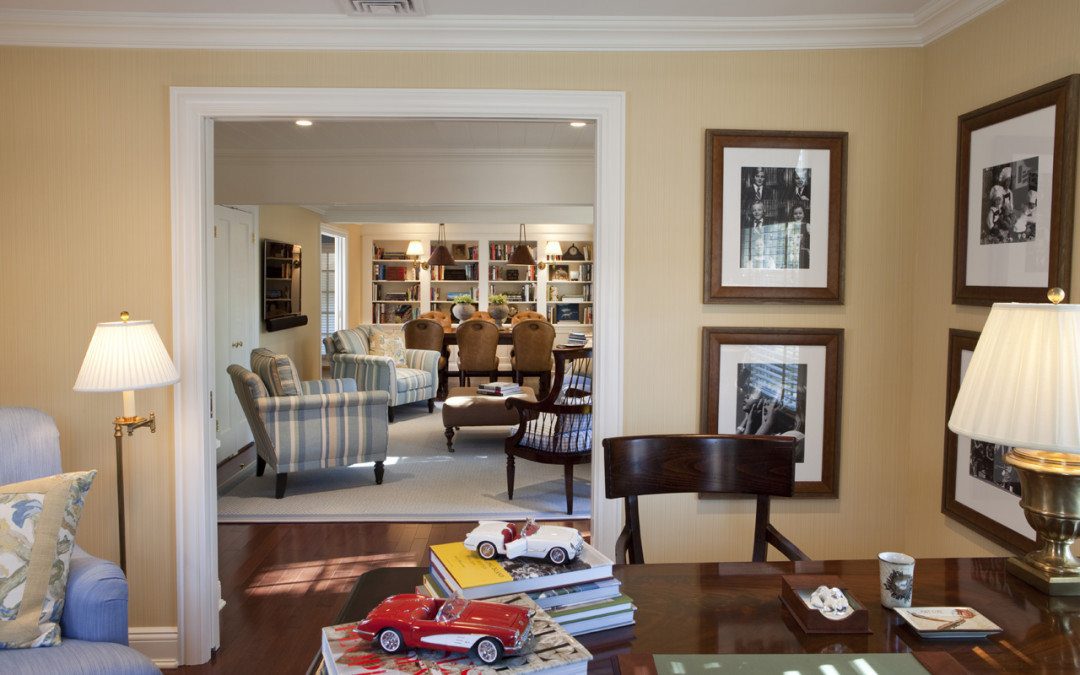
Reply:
x=160, y=644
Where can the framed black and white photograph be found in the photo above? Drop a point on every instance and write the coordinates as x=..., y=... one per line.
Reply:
x=778, y=382
x=774, y=215
x=979, y=489
x=1016, y=168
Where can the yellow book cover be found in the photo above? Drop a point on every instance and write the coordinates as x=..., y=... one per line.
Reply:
x=469, y=569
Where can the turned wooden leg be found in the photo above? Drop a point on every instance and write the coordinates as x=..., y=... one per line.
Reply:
x=260, y=465
x=379, y=470
x=431, y=405
x=390, y=414
x=568, y=476
x=450, y=439
x=510, y=476
x=279, y=490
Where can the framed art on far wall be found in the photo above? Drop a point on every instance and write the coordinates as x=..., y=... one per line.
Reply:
x=783, y=381
x=1015, y=179
x=978, y=488
x=774, y=216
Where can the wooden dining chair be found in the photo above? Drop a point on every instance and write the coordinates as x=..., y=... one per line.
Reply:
x=557, y=429
x=478, y=344
x=763, y=466
x=532, y=355
x=427, y=334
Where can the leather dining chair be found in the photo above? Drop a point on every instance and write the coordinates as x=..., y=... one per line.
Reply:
x=427, y=334
x=478, y=343
x=763, y=466
x=441, y=317
x=532, y=355
x=526, y=315
x=481, y=315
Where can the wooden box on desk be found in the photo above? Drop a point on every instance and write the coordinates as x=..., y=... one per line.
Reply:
x=811, y=620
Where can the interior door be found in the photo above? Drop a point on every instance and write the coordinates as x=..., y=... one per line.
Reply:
x=236, y=310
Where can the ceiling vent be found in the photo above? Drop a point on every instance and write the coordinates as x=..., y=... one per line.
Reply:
x=386, y=7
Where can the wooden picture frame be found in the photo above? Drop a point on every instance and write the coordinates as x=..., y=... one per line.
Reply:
x=971, y=496
x=762, y=381
x=776, y=254
x=1008, y=246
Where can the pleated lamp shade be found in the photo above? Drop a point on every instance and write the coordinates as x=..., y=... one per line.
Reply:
x=125, y=356
x=1022, y=386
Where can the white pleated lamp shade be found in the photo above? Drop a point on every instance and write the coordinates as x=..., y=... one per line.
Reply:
x=553, y=248
x=125, y=356
x=1022, y=386
x=415, y=249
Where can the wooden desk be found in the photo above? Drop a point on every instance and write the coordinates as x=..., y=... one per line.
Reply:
x=734, y=608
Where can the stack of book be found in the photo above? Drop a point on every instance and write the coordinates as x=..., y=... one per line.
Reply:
x=581, y=594
x=576, y=339
x=552, y=651
x=499, y=388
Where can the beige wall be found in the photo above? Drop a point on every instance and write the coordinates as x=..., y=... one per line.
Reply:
x=1015, y=47
x=295, y=225
x=84, y=207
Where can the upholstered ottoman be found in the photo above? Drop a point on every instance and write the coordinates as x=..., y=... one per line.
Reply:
x=465, y=408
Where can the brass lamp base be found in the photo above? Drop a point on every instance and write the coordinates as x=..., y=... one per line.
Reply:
x=1050, y=497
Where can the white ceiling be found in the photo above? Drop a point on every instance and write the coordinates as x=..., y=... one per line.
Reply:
x=487, y=25
x=338, y=137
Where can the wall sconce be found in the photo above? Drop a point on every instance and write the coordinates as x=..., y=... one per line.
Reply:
x=415, y=250
x=551, y=250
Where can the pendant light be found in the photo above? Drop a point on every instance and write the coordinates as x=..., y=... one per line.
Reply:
x=441, y=254
x=521, y=255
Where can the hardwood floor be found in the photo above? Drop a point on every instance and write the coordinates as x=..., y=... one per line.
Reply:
x=283, y=582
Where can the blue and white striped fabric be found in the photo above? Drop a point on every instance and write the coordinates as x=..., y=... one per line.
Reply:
x=418, y=380
x=314, y=430
x=277, y=372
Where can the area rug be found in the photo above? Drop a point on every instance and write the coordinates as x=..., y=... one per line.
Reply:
x=423, y=482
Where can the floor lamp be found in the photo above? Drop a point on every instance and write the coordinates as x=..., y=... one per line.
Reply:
x=124, y=356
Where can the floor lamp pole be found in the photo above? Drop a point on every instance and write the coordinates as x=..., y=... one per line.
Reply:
x=131, y=424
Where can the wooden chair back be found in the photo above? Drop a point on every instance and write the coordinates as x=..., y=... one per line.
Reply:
x=442, y=317
x=533, y=342
x=423, y=334
x=526, y=315
x=763, y=466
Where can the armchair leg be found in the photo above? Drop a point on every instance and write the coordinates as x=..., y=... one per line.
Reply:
x=449, y=439
x=379, y=473
x=568, y=476
x=510, y=476
x=279, y=490
x=390, y=414
x=260, y=465
x=430, y=405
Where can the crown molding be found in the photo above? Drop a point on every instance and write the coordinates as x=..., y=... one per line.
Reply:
x=473, y=214
x=158, y=30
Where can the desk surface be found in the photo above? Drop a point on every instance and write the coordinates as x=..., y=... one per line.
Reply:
x=734, y=608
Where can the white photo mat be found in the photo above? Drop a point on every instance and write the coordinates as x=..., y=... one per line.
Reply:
x=810, y=469
x=818, y=162
x=1017, y=264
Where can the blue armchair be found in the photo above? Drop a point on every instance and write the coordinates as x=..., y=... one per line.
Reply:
x=94, y=625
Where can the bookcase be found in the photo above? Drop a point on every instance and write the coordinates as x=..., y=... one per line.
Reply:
x=401, y=289
x=281, y=285
x=569, y=284
x=395, y=283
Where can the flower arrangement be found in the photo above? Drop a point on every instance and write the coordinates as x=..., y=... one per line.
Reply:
x=497, y=299
x=464, y=300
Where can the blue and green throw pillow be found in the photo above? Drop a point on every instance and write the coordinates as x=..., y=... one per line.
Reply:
x=38, y=519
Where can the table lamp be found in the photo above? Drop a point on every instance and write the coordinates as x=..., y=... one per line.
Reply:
x=124, y=356
x=1022, y=389
x=552, y=251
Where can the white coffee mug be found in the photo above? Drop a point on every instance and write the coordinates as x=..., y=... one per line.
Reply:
x=897, y=573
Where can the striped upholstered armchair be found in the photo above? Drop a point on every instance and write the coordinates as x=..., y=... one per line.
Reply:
x=350, y=356
x=308, y=425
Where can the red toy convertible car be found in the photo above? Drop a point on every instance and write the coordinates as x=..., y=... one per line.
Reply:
x=486, y=629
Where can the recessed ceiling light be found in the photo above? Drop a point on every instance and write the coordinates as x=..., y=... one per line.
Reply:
x=304, y=123
x=577, y=125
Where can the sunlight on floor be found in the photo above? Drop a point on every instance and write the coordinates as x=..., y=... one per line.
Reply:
x=330, y=574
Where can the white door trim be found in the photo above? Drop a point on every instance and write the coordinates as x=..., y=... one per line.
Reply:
x=192, y=113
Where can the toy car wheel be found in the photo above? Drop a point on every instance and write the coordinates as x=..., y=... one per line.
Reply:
x=488, y=650
x=487, y=550
x=557, y=555
x=390, y=640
